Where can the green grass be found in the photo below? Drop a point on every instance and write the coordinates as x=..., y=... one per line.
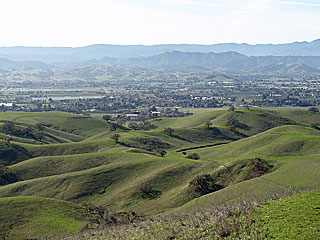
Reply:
x=296, y=217
x=116, y=184
x=68, y=148
x=11, y=153
x=66, y=122
x=299, y=172
x=187, y=122
x=281, y=141
x=301, y=116
x=89, y=167
x=32, y=217
x=253, y=121
x=54, y=165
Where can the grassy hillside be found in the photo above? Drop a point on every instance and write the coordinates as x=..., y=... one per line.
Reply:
x=245, y=155
x=66, y=122
x=32, y=217
x=68, y=148
x=54, y=165
x=300, y=116
x=291, y=173
x=280, y=141
x=187, y=122
x=11, y=153
x=252, y=121
x=117, y=185
x=293, y=217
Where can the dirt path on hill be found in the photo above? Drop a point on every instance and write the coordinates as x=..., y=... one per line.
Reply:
x=128, y=149
x=146, y=154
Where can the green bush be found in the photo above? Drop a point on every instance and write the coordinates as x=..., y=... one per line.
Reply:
x=203, y=184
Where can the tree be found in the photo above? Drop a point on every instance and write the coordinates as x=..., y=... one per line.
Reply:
x=106, y=117
x=115, y=137
x=134, y=126
x=153, y=109
x=168, y=130
x=162, y=153
x=232, y=108
x=203, y=184
x=314, y=109
x=8, y=125
x=315, y=126
x=8, y=138
x=39, y=136
x=120, y=121
x=208, y=123
x=194, y=156
x=40, y=126
x=113, y=126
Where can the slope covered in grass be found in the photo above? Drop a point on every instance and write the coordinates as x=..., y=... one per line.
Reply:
x=118, y=185
x=187, y=122
x=300, y=116
x=252, y=121
x=295, y=217
x=67, y=148
x=89, y=167
x=66, y=122
x=299, y=172
x=280, y=141
x=11, y=153
x=32, y=217
x=53, y=165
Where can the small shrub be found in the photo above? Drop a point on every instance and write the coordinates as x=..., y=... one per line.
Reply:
x=313, y=109
x=115, y=137
x=147, y=192
x=162, y=153
x=168, y=130
x=203, y=184
x=194, y=156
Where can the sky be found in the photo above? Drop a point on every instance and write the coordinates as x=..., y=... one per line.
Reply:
x=74, y=23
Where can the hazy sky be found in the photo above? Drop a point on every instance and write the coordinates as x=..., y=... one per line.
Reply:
x=84, y=22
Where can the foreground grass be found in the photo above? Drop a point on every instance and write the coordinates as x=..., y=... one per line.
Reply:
x=294, y=217
x=32, y=217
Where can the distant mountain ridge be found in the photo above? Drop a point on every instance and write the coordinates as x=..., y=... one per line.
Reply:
x=264, y=58
x=68, y=55
x=195, y=61
x=227, y=61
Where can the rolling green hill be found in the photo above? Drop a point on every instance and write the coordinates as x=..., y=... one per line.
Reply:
x=246, y=154
x=66, y=122
x=288, y=140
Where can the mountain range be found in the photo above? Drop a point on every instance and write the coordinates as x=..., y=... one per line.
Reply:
x=291, y=58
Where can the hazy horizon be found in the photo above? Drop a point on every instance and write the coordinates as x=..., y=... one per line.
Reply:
x=76, y=23
x=150, y=45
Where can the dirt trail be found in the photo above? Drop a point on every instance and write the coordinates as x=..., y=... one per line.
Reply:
x=128, y=149
x=146, y=154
